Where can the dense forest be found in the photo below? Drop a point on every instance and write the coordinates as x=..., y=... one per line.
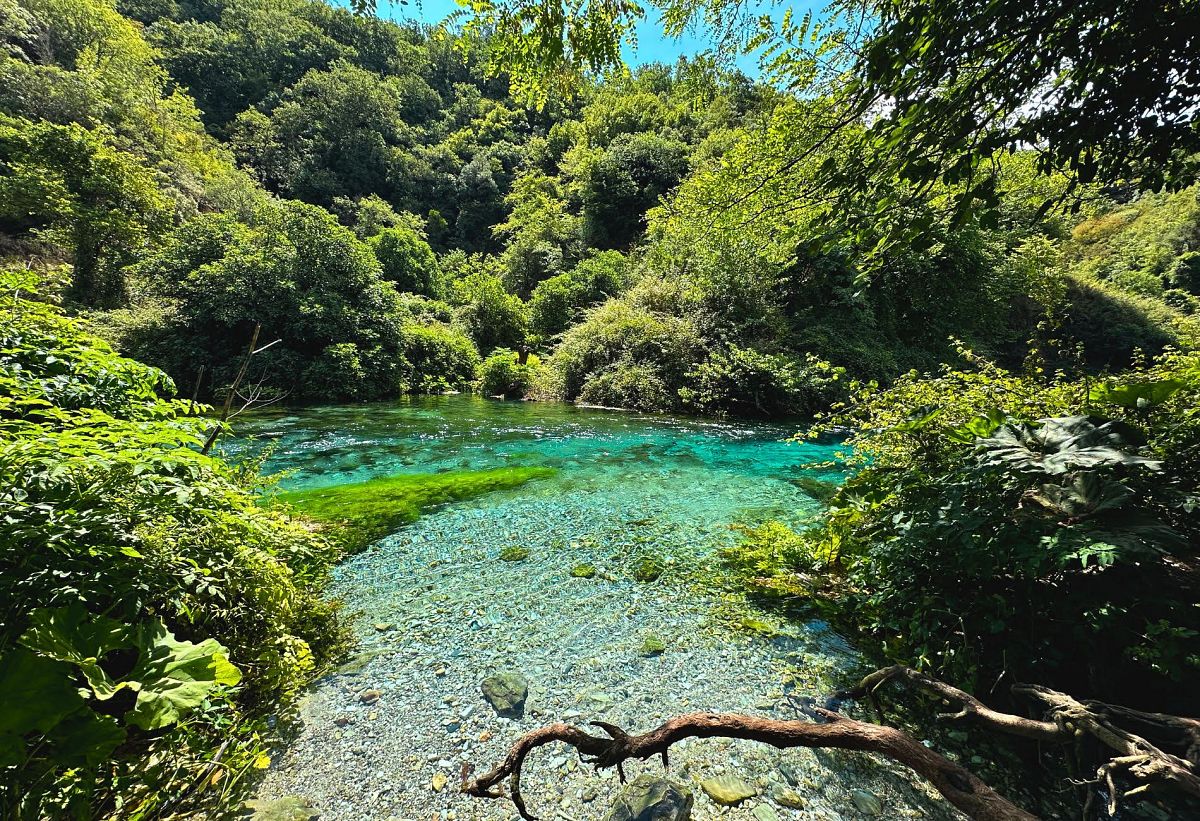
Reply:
x=1008, y=343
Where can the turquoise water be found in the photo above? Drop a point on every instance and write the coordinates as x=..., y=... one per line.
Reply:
x=697, y=461
x=438, y=610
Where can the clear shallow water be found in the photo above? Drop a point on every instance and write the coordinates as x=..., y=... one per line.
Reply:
x=438, y=610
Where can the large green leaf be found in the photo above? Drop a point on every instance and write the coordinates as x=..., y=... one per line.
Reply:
x=85, y=738
x=73, y=635
x=1062, y=445
x=1140, y=395
x=174, y=677
x=37, y=693
x=983, y=425
x=1083, y=495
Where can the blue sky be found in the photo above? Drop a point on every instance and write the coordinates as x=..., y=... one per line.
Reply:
x=653, y=45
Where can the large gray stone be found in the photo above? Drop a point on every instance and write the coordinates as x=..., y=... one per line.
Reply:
x=506, y=692
x=650, y=798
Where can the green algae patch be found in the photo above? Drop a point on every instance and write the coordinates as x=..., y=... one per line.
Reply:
x=366, y=511
x=583, y=571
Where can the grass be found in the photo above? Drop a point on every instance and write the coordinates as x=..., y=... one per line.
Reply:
x=367, y=511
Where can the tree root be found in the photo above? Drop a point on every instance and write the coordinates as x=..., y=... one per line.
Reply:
x=1154, y=749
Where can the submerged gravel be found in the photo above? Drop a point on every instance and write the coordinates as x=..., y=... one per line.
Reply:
x=386, y=737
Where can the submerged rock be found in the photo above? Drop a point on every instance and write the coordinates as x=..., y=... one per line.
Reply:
x=650, y=798
x=728, y=789
x=506, y=692
x=787, y=797
x=288, y=808
x=653, y=645
x=583, y=571
x=764, y=812
x=866, y=802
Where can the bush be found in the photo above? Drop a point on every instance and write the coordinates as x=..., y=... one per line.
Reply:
x=556, y=302
x=492, y=316
x=503, y=374
x=438, y=358
x=745, y=382
x=125, y=551
x=628, y=356
x=1000, y=523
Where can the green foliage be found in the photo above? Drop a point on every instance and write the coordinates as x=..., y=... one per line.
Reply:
x=557, y=302
x=744, y=382
x=493, y=317
x=365, y=511
x=439, y=358
x=503, y=374
x=139, y=583
x=625, y=182
x=95, y=200
x=407, y=260
x=542, y=235
x=1001, y=522
x=625, y=355
x=310, y=282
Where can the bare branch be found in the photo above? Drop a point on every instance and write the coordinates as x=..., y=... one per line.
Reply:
x=956, y=783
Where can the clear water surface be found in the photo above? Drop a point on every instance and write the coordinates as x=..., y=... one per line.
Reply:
x=437, y=611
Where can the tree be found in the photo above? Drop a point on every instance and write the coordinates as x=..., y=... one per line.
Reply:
x=101, y=203
x=310, y=283
x=407, y=260
x=625, y=182
x=542, y=237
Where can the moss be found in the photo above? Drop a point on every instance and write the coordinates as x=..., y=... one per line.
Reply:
x=514, y=554
x=653, y=645
x=583, y=571
x=752, y=624
x=647, y=570
x=366, y=511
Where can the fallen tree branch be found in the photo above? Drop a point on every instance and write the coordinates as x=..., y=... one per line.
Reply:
x=957, y=784
x=1153, y=749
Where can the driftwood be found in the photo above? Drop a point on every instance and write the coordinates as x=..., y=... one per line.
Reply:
x=1155, y=750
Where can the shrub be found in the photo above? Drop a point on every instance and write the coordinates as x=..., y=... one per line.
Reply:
x=555, y=302
x=745, y=382
x=629, y=356
x=492, y=316
x=438, y=358
x=1000, y=523
x=503, y=374
x=125, y=551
